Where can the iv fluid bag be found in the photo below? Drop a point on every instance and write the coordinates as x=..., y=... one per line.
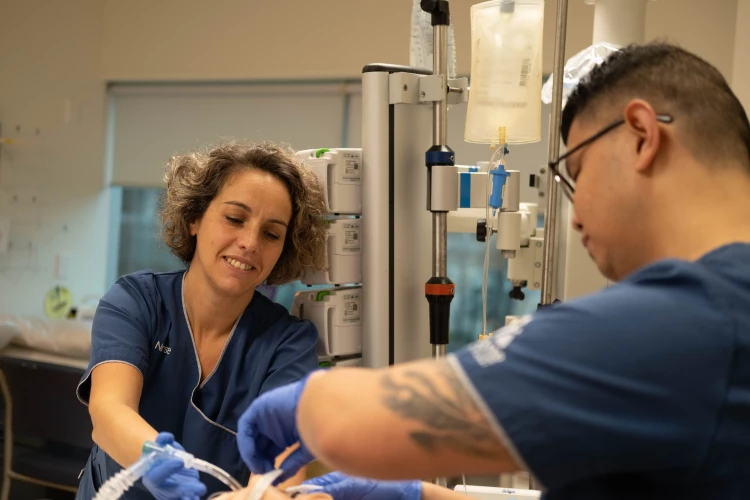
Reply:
x=420, y=43
x=506, y=71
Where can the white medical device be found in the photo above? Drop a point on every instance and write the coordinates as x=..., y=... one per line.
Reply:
x=344, y=254
x=525, y=269
x=340, y=173
x=518, y=237
x=491, y=493
x=337, y=314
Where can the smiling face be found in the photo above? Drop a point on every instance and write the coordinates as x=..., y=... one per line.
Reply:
x=241, y=235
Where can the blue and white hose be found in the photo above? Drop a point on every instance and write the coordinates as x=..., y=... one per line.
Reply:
x=121, y=482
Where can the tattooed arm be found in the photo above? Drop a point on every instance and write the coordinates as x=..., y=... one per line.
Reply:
x=411, y=420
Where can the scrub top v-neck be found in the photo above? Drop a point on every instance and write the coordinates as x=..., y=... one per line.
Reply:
x=141, y=321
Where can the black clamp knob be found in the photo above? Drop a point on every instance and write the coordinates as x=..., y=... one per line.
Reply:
x=482, y=230
x=440, y=10
x=516, y=293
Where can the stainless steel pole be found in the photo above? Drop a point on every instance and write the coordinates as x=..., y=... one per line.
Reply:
x=440, y=138
x=550, y=217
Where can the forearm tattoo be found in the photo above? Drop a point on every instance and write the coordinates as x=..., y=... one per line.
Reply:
x=448, y=414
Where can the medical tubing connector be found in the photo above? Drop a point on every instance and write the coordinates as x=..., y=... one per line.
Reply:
x=498, y=174
x=121, y=482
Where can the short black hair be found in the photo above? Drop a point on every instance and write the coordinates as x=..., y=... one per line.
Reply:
x=675, y=82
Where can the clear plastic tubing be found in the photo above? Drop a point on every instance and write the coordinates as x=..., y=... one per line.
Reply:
x=121, y=482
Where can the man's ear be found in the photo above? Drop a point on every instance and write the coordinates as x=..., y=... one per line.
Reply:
x=640, y=119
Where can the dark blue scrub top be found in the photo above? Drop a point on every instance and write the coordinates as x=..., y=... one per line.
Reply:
x=639, y=392
x=141, y=321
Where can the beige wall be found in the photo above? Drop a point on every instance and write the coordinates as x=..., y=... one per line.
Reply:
x=326, y=38
x=248, y=39
x=704, y=27
x=741, y=75
x=51, y=181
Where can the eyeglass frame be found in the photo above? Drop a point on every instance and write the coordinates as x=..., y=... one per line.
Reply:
x=567, y=188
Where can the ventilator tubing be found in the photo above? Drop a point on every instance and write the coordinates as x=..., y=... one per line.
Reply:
x=121, y=482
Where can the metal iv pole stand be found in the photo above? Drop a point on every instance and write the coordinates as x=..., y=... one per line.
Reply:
x=439, y=289
x=550, y=216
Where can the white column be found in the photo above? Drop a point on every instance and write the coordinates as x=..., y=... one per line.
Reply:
x=621, y=22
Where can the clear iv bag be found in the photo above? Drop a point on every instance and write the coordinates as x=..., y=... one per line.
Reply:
x=420, y=43
x=506, y=71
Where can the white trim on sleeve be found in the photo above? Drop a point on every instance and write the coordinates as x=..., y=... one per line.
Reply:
x=88, y=376
x=491, y=419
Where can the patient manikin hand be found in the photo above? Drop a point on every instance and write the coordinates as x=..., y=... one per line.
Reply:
x=343, y=487
x=168, y=479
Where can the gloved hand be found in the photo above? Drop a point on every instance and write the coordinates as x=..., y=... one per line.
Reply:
x=168, y=479
x=343, y=487
x=268, y=427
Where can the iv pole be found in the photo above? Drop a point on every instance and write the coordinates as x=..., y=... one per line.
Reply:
x=439, y=289
x=550, y=216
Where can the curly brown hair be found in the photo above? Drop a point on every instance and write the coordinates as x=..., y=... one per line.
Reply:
x=195, y=178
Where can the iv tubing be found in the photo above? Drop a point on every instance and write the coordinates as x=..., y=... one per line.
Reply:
x=488, y=241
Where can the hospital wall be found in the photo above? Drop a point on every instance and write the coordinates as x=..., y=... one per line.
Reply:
x=57, y=57
x=741, y=75
x=235, y=39
x=52, y=179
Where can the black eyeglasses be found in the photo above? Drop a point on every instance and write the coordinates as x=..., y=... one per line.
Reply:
x=562, y=176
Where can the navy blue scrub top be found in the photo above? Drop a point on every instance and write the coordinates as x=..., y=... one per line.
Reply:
x=141, y=321
x=638, y=392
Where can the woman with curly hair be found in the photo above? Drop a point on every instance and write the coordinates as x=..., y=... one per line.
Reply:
x=177, y=357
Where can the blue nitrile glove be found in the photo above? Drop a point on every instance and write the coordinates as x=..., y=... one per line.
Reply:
x=268, y=427
x=168, y=479
x=343, y=487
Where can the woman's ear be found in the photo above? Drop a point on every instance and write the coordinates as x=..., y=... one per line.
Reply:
x=194, y=226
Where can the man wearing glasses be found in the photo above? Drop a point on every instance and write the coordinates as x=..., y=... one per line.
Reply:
x=640, y=391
